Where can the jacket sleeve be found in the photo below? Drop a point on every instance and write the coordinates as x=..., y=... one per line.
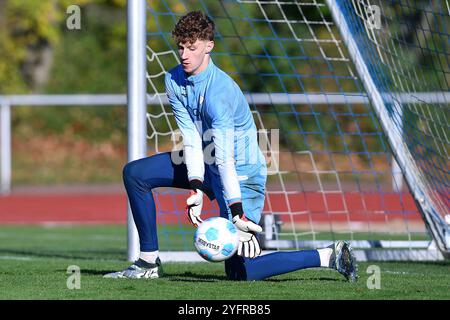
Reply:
x=192, y=142
x=222, y=123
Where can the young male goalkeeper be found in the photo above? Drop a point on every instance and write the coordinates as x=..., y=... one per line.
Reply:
x=222, y=159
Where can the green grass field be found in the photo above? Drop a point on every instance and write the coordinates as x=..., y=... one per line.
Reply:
x=35, y=259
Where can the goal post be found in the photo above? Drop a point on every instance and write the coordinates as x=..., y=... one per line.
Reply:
x=335, y=102
x=136, y=102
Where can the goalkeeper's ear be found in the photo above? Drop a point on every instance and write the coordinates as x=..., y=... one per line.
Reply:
x=209, y=46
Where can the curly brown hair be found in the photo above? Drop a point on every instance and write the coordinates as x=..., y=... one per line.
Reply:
x=193, y=26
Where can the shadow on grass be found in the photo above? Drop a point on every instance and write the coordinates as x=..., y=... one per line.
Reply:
x=303, y=279
x=189, y=276
x=194, y=277
x=184, y=277
x=94, y=272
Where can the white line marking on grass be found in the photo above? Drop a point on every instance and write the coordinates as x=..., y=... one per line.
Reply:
x=397, y=272
x=15, y=258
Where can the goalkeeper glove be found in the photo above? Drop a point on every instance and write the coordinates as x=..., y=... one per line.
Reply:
x=248, y=242
x=194, y=206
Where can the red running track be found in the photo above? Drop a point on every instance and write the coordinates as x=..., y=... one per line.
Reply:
x=110, y=208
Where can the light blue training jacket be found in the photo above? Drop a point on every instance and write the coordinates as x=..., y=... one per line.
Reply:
x=217, y=127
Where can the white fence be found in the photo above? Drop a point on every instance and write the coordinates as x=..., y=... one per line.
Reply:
x=7, y=102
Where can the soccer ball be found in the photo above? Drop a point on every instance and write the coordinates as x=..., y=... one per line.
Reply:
x=216, y=239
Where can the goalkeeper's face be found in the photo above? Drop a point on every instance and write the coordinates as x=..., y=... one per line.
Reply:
x=195, y=55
